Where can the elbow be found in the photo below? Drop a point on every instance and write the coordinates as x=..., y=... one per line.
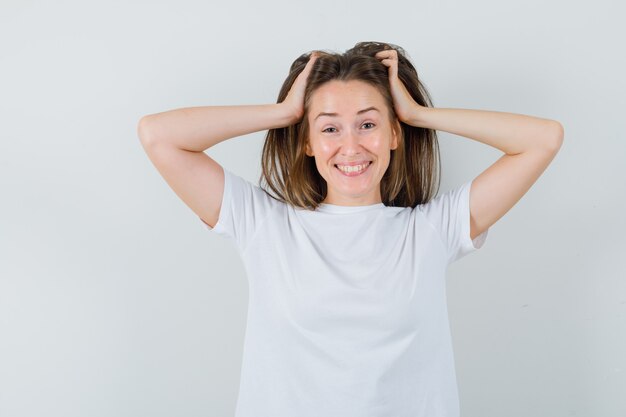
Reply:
x=555, y=139
x=143, y=130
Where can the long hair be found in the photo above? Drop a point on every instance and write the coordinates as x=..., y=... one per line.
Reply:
x=413, y=174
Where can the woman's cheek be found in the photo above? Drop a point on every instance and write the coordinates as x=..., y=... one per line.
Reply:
x=326, y=146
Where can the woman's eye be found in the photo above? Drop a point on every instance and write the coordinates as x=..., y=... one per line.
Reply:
x=368, y=123
x=326, y=130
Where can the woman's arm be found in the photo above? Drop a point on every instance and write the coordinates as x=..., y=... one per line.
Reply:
x=175, y=142
x=511, y=133
x=529, y=143
x=198, y=128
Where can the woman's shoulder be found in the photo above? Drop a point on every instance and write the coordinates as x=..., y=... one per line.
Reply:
x=238, y=183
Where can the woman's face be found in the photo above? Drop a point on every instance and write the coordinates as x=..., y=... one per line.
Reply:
x=349, y=127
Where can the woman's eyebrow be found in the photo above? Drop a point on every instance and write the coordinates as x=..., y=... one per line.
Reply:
x=337, y=114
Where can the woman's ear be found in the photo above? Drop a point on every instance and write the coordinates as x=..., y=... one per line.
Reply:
x=307, y=148
x=396, y=131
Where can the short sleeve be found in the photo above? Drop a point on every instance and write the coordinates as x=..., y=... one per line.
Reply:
x=449, y=214
x=244, y=207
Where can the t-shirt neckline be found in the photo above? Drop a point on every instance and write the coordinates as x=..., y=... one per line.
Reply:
x=333, y=208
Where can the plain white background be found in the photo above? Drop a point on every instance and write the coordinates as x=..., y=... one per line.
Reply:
x=116, y=301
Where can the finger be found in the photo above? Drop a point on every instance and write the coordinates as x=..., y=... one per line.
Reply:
x=392, y=65
x=387, y=58
x=389, y=53
x=307, y=68
x=311, y=61
x=315, y=55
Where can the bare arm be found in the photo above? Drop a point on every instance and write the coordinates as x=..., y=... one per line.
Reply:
x=198, y=128
x=529, y=143
x=509, y=132
x=175, y=142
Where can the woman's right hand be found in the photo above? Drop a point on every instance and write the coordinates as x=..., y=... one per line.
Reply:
x=295, y=97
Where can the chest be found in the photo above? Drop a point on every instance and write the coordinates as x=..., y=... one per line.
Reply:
x=358, y=282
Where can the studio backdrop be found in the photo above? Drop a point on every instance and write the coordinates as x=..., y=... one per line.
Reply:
x=115, y=300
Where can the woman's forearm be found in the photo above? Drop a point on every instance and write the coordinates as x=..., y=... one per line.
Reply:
x=199, y=128
x=511, y=133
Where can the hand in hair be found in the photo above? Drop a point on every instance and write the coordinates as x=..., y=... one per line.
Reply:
x=295, y=97
x=406, y=108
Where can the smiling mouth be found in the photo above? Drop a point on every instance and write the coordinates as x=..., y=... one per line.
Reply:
x=353, y=170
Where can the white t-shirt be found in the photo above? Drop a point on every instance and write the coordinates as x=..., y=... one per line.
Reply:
x=347, y=312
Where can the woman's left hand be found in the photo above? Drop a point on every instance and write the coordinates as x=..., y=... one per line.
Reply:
x=406, y=108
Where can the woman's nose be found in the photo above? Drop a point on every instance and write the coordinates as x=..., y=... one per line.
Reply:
x=350, y=142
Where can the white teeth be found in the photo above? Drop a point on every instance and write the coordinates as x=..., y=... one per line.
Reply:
x=353, y=168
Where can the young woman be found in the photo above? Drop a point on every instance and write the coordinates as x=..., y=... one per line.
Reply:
x=346, y=263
